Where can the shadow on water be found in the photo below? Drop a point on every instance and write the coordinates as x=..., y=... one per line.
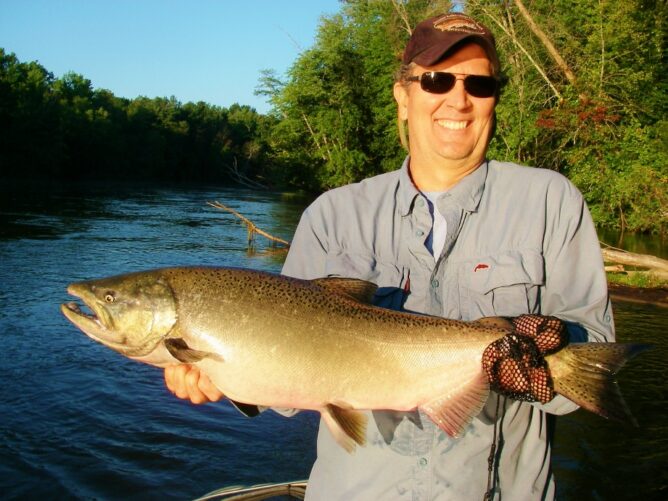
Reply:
x=81, y=422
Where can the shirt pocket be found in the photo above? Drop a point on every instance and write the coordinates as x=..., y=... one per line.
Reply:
x=506, y=284
x=389, y=278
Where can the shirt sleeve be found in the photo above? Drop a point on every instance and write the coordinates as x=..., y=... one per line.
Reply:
x=576, y=289
x=308, y=254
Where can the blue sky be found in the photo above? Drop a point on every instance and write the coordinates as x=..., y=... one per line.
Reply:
x=195, y=50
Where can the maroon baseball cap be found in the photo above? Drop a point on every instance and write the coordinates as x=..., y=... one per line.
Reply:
x=433, y=38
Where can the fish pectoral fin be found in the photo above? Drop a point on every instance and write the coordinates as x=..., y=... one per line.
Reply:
x=248, y=410
x=360, y=290
x=347, y=426
x=180, y=350
x=452, y=412
x=387, y=422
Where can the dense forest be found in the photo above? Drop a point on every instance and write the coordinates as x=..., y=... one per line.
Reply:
x=586, y=95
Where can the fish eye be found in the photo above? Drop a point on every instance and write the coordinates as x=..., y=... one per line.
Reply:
x=109, y=297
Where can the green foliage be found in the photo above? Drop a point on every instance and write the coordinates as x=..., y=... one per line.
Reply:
x=64, y=129
x=606, y=128
x=338, y=117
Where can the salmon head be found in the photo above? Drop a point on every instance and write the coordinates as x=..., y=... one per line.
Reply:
x=129, y=313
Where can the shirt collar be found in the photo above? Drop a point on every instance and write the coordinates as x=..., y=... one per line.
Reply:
x=467, y=192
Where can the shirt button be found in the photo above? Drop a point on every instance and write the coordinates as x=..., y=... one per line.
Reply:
x=420, y=202
x=423, y=461
x=434, y=283
x=419, y=233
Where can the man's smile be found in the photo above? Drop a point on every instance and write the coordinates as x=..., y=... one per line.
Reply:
x=453, y=124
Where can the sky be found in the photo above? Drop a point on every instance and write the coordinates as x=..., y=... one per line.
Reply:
x=194, y=50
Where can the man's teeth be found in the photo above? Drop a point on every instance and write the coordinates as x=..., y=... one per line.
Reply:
x=452, y=124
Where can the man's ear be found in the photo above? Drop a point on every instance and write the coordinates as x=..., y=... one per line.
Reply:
x=401, y=97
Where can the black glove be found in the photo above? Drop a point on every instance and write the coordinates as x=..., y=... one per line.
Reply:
x=515, y=364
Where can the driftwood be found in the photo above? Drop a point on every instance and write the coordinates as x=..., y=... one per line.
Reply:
x=652, y=265
x=250, y=226
x=632, y=259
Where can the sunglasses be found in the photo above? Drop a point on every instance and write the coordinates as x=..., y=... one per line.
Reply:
x=440, y=82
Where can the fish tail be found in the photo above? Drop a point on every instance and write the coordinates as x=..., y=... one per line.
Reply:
x=585, y=374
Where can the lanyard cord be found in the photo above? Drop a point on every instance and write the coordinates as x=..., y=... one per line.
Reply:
x=491, y=460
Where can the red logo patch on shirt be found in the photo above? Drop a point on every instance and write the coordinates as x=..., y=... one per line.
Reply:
x=480, y=266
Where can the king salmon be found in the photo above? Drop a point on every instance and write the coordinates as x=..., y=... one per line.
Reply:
x=273, y=341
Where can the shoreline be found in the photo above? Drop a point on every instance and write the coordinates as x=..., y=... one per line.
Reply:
x=657, y=296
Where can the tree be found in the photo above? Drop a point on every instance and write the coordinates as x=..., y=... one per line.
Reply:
x=587, y=96
x=336, y=109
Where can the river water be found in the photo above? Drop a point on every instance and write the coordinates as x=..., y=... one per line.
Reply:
x=79, y=421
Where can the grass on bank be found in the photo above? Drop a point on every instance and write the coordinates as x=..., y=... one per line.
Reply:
x=637, y=279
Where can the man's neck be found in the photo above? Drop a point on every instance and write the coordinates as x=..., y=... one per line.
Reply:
x=439, y=178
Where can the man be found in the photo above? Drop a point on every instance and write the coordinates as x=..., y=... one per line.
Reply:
x=454, y=235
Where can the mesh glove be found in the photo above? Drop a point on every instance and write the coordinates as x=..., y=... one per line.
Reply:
x=515, y=364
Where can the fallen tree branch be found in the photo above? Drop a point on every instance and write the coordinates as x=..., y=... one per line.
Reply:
x=250, y=226
x=242, y=179
x=632, y=259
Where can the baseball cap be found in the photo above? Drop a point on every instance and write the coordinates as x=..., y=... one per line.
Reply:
x=433, y=38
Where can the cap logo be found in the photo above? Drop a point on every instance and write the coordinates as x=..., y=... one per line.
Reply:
x=458, y=23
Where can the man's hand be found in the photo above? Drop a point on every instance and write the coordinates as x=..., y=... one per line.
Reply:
x=515, y=364
x=187, y=382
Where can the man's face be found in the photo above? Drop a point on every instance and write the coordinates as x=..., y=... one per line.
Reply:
x=453, y=127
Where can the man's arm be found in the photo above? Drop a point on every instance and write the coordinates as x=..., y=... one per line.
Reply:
x=576, y=289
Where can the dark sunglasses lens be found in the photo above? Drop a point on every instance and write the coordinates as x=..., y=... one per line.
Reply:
x=480, y=86
x=437, y=83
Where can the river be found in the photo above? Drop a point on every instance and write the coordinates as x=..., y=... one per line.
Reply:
x=79, y=421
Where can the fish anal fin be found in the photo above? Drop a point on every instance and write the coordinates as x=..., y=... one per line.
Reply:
x=452, y=412
x=248, y=410
x=348, y=427
x=180, y=350
x=360, y=290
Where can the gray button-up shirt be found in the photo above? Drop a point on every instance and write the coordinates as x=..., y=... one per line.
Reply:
x=520, y=240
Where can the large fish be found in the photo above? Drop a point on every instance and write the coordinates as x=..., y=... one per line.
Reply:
x=274, y=341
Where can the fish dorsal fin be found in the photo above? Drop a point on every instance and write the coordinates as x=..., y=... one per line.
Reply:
x=495, y=322
x=248, y=410
x=347, y=426
x=180, y=350
x=361, y=290
x=452, y=412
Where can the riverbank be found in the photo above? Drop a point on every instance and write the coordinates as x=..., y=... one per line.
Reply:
x=644, y=295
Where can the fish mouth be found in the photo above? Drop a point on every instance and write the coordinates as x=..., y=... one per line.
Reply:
x=96, y=323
